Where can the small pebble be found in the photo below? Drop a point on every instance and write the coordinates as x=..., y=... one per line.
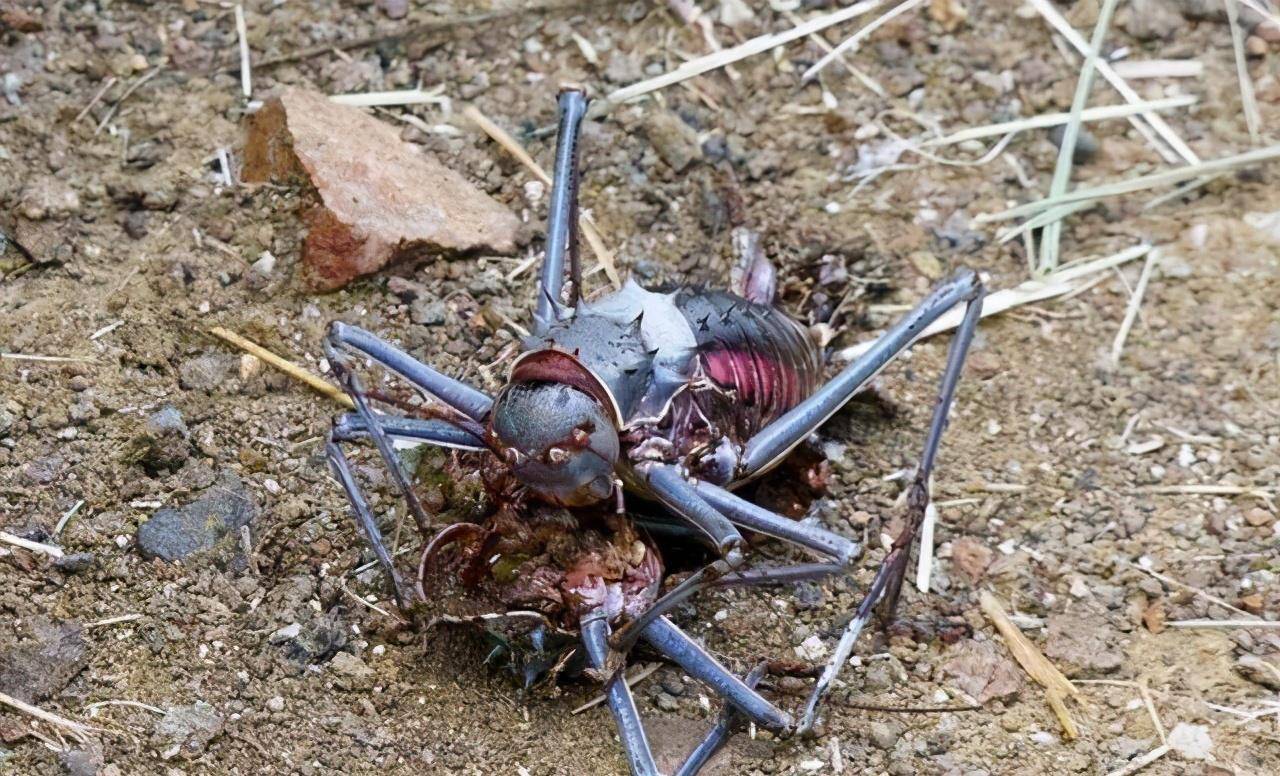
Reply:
x=276, y=703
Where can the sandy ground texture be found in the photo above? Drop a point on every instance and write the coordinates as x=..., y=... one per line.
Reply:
x=1069, y=485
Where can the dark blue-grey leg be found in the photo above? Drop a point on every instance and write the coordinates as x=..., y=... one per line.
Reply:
x=562, y=222
x=441, y=433
x=678, y=495
x=364, y=518
x=776, y=439
x=729, y=719
x=455, y=393
x=458, y=395
x=675, y=644
x=888, y=580
x=761, y=520
x=595, y=639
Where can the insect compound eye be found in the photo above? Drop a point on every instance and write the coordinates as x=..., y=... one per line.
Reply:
x=557, y=455
x=511, y=455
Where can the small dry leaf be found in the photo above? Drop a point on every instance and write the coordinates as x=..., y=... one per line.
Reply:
x=971, y=557
x=1153, y=616
x=1252, y=603
x=949, y=13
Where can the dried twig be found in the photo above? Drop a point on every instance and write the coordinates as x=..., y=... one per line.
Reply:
x=1055, y=19
x=27, y=544
x=1139, y=763
x=1140, y=183
x=288, y=367
x=401, y=97
x=589, y=230
x=78, y=730
x=719, y=59
x=410, y=31
x=1135, y=303
x=97, y=96
x=246, y=77
x=114, y=620
x=1057, y=284
x=1137, y=69
x=47, y=359
x=1223, y=624
x=1168, y=580
x=632, y=681
x=1054, y=119
x=1252, y=118
x=111, y=112
x=851, y=43
x=66, y=517
x=1057, y=687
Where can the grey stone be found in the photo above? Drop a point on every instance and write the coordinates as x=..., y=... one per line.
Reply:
x=427, y=312
x=80, y=762
x=1260, y=670
x=1153, y=20
x=209, y=372
x=675, y=141
x=185, y=731
x=163, y=442
x=884, y=735
x=666, y=702
x=1086, y=144
x=36, y=669
x=1083, y=644
x=175, y=533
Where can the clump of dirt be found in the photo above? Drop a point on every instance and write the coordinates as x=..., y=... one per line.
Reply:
x=1100, y=501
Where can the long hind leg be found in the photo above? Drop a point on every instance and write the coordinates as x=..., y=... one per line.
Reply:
x=887, y=583
x=773, y=441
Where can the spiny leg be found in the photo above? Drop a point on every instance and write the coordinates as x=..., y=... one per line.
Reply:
x=776, y=439
x=729, y=718
x=595, y=639
x=458, y=395
x=756, y=518
x=364, y=518
x=562, y=229
x=668, y=639
x=441, y=433
x=887, y=583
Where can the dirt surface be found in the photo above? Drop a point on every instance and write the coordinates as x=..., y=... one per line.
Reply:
x=1048, y=480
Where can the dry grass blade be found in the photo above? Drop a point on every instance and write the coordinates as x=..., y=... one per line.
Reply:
x=719, y=59
x=1140, y=183
x=1168, y=580
x=1137, y=69
x=821, y=42
x=1027, y=654
x=589, y=230
x=632, y=681
x=45, y=359
x=1054, y=119
x=1056, y=20
x=242, y=32
x=284, y=365
x=27, y=544
x=1049, y=241
x=1252, y=118
x=1057, y=687
x=78, y=730
x=383, y=99
x=1060, y=283
x=1223, y=624
x=1138, y=764
x=97, y=97
x=1135, y=303
x=851, y=43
